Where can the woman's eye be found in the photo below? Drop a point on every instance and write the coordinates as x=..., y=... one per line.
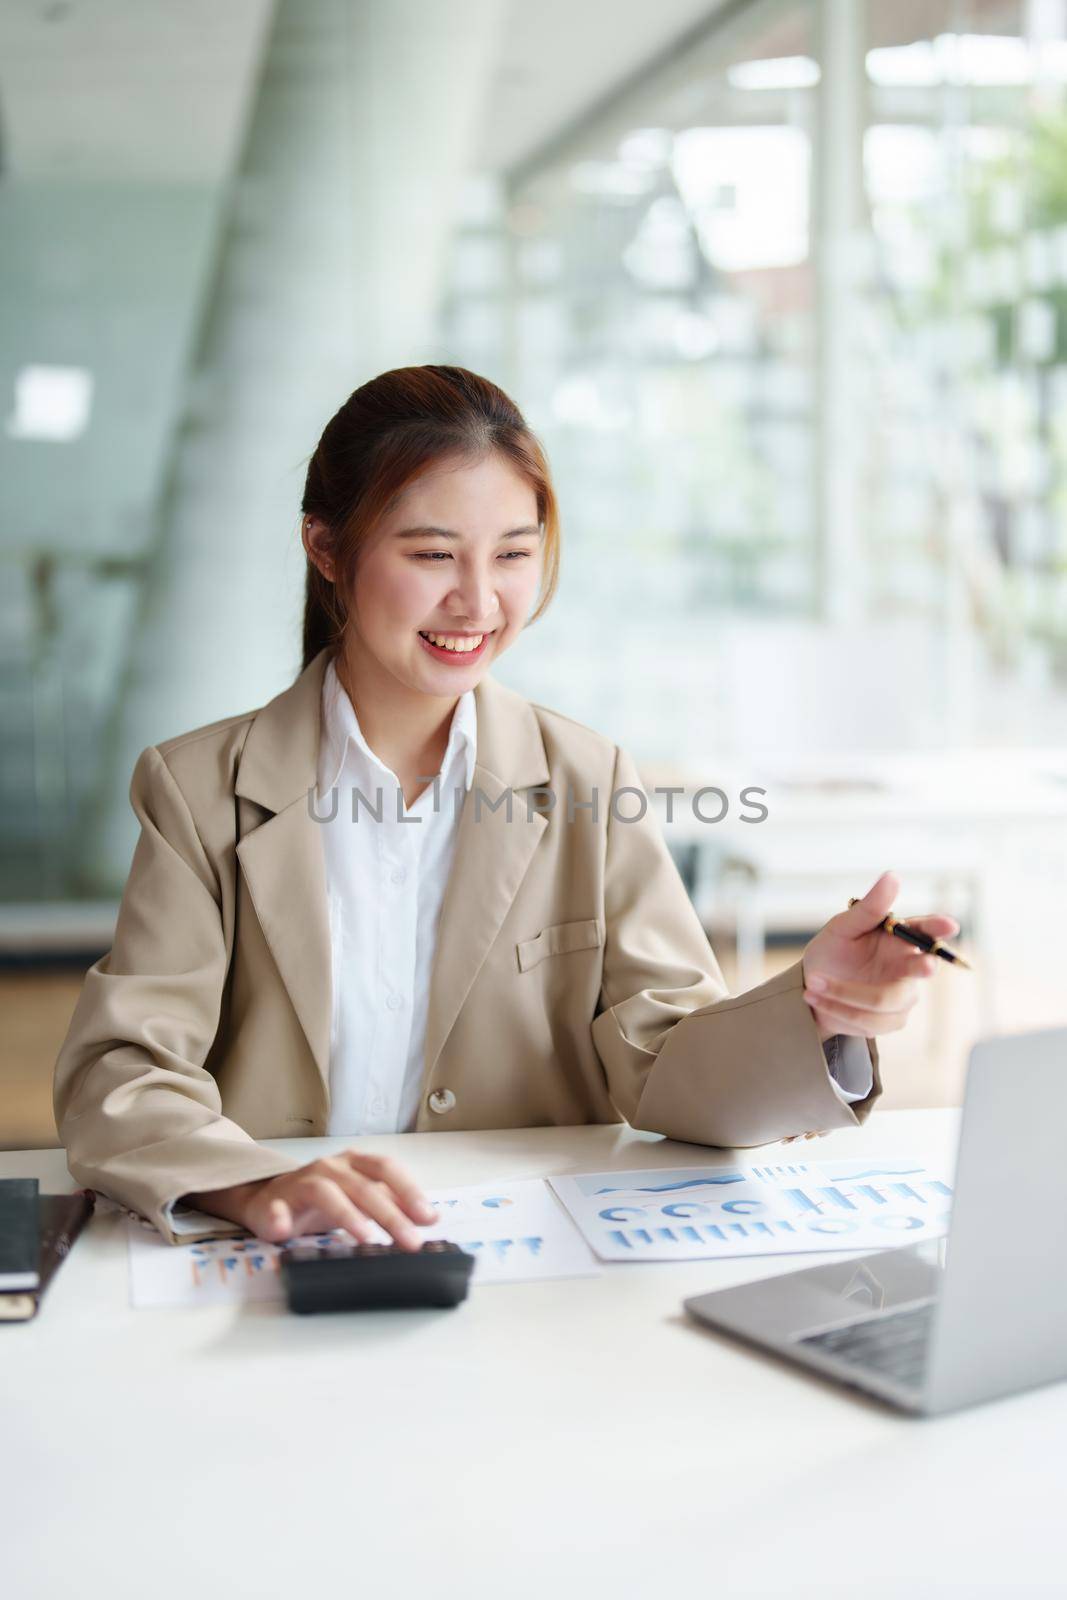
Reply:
x=443, y=555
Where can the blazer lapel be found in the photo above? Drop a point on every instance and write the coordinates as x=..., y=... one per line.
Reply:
x=492, y=852
x=284, y=866
x=282, y=858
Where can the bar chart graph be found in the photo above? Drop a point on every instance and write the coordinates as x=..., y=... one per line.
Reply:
x=691, y=1213
x=515, y=1230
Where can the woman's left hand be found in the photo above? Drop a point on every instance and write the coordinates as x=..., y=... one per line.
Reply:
x=860, y=980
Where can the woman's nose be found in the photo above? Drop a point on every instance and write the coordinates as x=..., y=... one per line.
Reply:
x=475, y=597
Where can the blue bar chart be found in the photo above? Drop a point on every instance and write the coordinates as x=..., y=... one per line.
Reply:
x=516, y=1231
x=694, y=1213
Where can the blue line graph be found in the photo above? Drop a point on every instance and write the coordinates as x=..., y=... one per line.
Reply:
x=871, y=1172
x=665, y=1188
x=770, y=1174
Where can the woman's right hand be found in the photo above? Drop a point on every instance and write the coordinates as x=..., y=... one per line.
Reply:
x=347, y=1191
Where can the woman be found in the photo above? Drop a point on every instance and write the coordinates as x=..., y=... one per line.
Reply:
x=400, y=895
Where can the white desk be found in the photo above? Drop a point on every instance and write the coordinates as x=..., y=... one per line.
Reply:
x=566, y=1438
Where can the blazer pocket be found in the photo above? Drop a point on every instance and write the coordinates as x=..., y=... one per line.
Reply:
x=559, y=939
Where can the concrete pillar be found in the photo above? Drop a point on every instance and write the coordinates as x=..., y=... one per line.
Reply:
x=328, y=273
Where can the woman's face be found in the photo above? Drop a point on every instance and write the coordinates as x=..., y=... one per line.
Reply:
x=446, y=582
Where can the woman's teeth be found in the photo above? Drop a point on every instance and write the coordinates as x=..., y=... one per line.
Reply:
x=453, y=641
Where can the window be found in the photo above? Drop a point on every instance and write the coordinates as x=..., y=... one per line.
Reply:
x=791, y=319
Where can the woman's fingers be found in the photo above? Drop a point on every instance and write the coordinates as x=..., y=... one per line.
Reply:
x=309, y=1202
x=375, y=1200
x=409, y=1197
x=349, y=1200
x=269, y=1218
x=863, y=1009
x=937, y=926
x=897, y=995
x=858, y=1021
x=326, y=1205
x=351, y=1191
x=893, y=960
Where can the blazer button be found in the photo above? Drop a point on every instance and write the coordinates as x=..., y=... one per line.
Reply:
x=441, y=1100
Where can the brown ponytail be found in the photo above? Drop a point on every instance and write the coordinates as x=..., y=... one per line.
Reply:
x=385, y=435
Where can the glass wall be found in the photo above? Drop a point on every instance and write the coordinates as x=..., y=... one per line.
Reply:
x=789, y=317
x=963, y=327
x=649, y=296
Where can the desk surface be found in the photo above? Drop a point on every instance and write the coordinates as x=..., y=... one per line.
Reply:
x=573, y=1435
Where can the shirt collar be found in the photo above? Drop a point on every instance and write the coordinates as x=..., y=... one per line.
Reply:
x=340, y=726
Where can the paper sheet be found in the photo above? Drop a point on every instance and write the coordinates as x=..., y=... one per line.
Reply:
x=696, y=1213
x=515, y=1231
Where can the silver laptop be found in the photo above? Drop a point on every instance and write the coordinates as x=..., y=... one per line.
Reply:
x=955, y=1321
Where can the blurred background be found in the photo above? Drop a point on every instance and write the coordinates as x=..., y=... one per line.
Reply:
x=781, y=285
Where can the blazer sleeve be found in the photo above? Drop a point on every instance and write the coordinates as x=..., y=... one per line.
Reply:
x=682, y=1056
x=140, y=1116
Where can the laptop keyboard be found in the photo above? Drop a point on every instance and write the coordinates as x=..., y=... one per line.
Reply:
x=894, y=1345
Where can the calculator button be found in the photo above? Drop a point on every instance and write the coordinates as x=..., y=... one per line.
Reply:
x=441, y=1100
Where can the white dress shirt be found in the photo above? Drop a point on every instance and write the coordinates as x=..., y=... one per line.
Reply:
x=385, y=884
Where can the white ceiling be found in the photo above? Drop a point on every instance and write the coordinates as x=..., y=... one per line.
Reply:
x=129, y=90
x=158, y=90
x=126, y=90
x=559, y=58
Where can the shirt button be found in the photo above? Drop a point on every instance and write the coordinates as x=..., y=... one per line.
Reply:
x=441, y=1100
x=394, y=1002
x=398, y=875
x=377, y=1105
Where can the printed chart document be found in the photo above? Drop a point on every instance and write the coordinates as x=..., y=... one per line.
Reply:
x=691, y=1213
x=514, y=1230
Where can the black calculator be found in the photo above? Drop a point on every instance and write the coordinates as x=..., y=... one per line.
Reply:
x=337, y=1274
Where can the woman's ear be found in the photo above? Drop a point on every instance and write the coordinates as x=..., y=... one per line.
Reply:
x=318, y=543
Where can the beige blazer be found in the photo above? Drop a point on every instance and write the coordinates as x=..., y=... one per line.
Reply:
x=572, y=981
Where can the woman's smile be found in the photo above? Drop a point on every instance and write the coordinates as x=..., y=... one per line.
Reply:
x=454, y=647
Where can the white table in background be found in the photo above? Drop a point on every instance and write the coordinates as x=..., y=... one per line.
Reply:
x=572, y=1437
x=978, y=833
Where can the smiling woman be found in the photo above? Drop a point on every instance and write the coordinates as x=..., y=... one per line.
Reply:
x=279, y=969
x=429, y=523
x=422, y=623
x=383, y=439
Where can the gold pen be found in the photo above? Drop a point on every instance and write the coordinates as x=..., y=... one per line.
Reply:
x=922, y=941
